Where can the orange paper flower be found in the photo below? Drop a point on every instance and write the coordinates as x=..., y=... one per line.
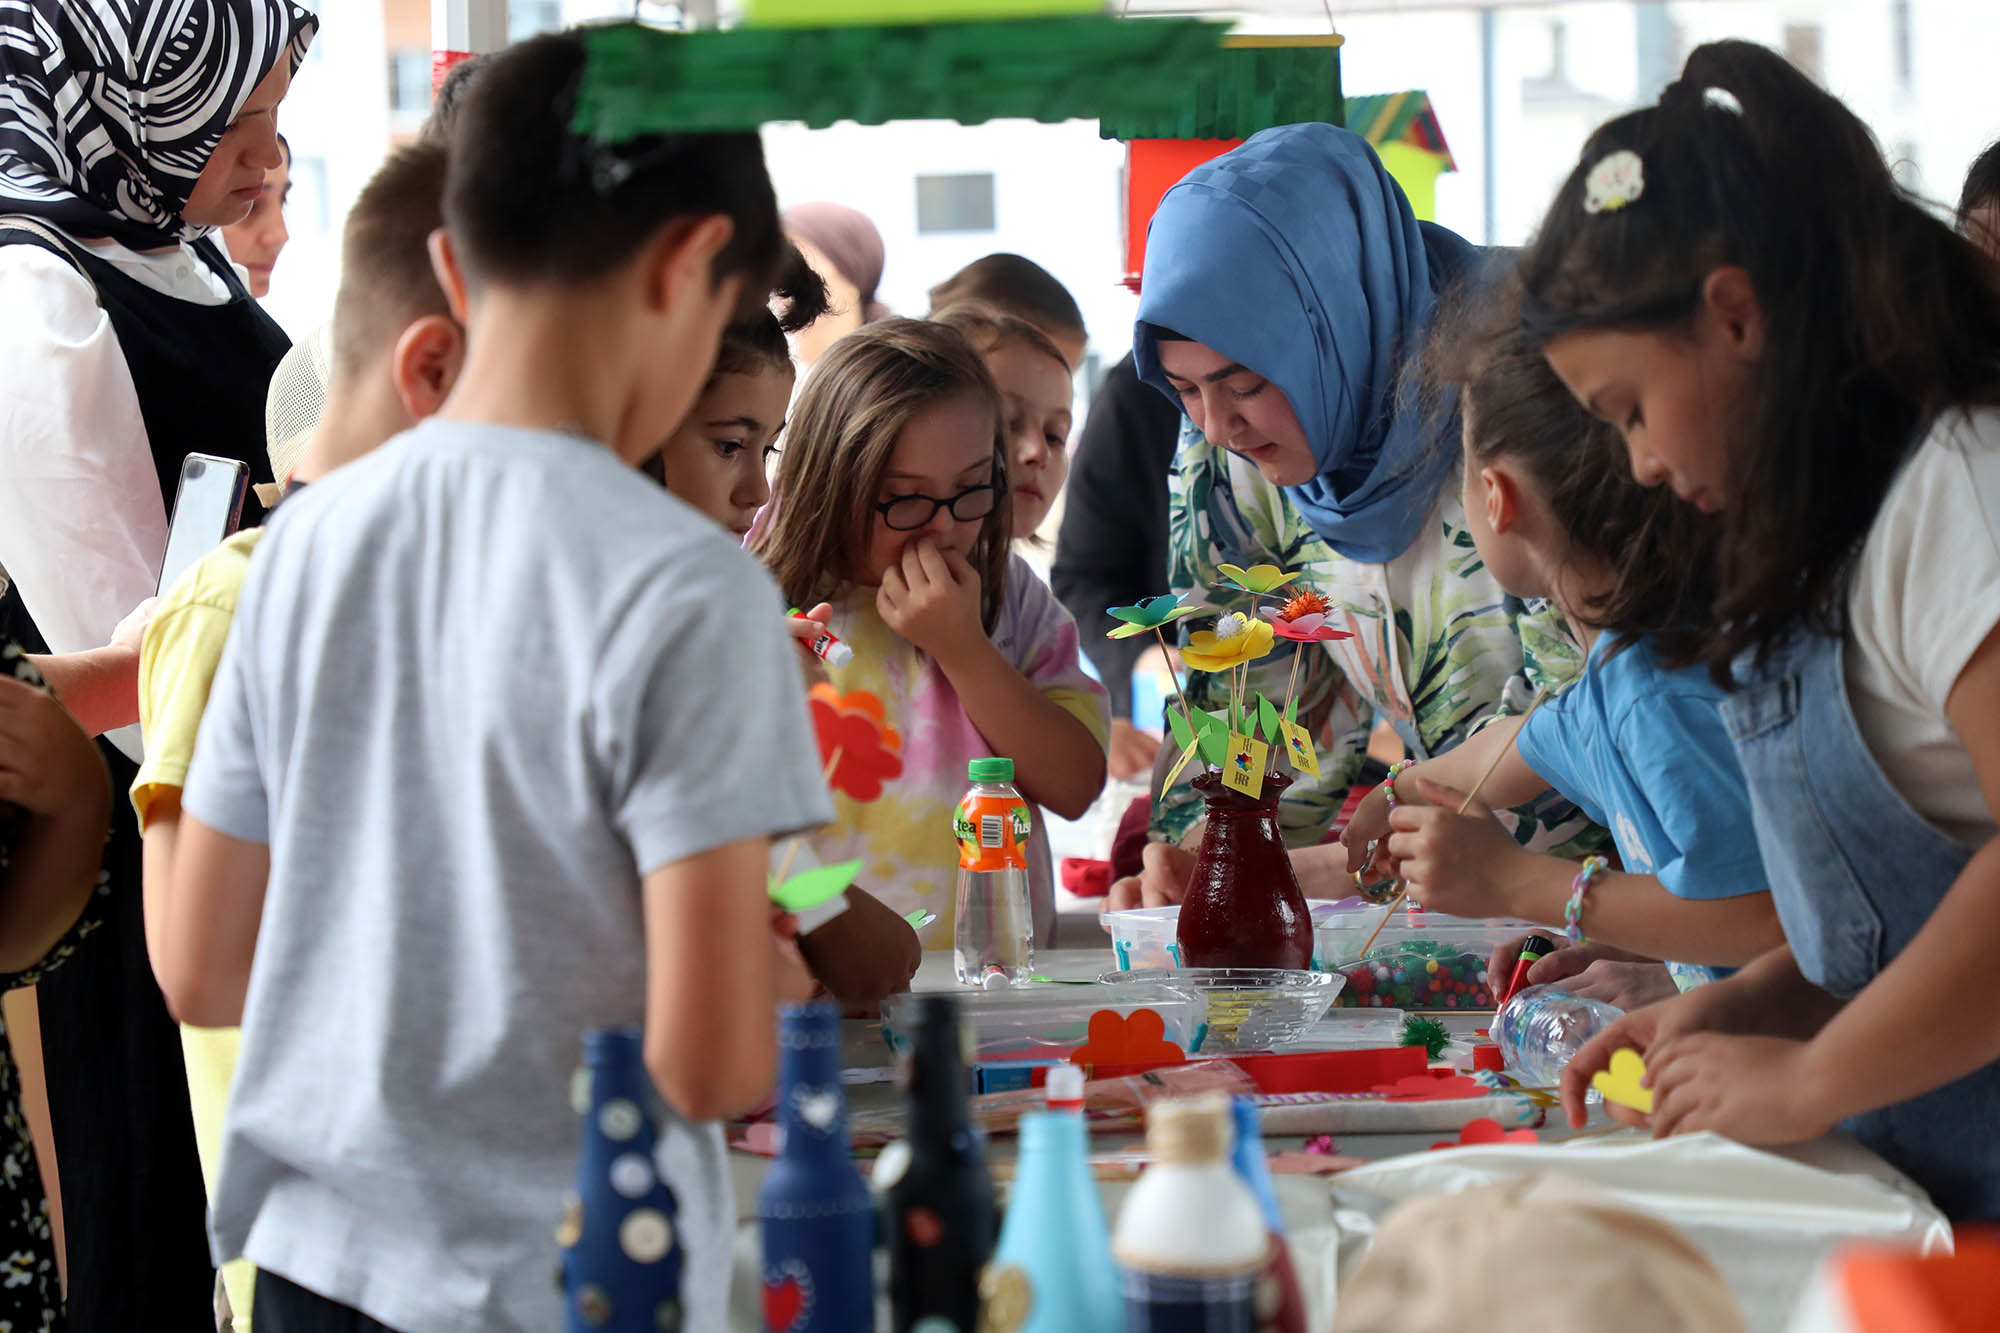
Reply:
x=855, y=739
x=1115, y=1039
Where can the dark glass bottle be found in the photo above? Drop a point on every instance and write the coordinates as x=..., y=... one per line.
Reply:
x=1244, y=907
x=621, y=1260
x=817, y=1218
x=941, y=1214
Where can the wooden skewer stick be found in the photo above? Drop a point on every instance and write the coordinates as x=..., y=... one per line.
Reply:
x=1401, y=889
x=1174, y=676
x=797, y=840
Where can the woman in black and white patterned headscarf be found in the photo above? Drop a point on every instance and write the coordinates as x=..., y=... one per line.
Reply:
x=129, y=131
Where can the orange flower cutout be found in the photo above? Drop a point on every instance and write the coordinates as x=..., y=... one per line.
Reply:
x=857, y=746
x=1487, y=1131
x=1437, y=1085
x=1115, y=1039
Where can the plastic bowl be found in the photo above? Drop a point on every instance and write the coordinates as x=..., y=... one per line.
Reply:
x=1249, y=1008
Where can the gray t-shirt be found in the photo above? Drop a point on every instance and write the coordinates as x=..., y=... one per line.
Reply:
x=479, y=683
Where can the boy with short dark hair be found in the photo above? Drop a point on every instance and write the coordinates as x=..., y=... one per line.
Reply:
x=494, y=757
x=396, y=355
x=1018, y=286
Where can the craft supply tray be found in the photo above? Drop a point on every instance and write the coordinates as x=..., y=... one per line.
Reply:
x=1144, y=937
x=1421, y=960
x=1048, y=1021
x=1246, y=1008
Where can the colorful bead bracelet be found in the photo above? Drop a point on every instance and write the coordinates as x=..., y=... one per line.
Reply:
x=1579, y=889
x=1396, y=770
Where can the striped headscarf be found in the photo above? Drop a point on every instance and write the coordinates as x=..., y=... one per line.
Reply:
x=109, y=109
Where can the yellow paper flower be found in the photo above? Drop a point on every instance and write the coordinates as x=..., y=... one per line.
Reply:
x=1257, y=578
x=1208, y=651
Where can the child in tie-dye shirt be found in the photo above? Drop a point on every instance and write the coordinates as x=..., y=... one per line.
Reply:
x=891, y=505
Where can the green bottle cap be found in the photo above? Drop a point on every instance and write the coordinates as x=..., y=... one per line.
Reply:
x=990, y=770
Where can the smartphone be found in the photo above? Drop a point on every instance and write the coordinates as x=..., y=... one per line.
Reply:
x=208, y=506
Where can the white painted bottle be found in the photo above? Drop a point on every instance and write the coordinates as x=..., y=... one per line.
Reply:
x=1191, y=1238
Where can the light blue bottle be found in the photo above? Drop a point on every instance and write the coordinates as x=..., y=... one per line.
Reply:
x=1052, y=1270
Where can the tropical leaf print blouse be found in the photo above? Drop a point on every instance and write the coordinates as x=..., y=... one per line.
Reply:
x=1439, y=648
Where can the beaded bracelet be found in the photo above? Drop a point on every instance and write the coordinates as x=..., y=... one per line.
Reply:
x=1396, y=770
x=1579, y=889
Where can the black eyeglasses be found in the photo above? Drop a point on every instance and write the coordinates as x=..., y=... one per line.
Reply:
x=907, y=513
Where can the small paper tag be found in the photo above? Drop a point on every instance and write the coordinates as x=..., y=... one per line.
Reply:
x=1299, y=746
x=1179, y=765
x=1243, y=765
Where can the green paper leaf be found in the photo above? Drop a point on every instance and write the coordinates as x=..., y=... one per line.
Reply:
x=1267, y=721
x=1292, y=710
x=1174, y=773
x=1214, y=738
x=807, y=890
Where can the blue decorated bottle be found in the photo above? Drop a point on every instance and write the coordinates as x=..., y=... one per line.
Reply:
x=1052, y=1271
x=1280, y=1305
x=817, y=1218
x=622, y=1254
x=1191, y=1240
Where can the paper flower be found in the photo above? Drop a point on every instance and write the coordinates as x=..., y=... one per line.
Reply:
x=1258, y=578
x=1618, y=179
x=1620, y=1083
x=862, y=750
x=1436, y=1085
x=1148, y=615
x=1303, y=619
x=1116, y=1039
x=1487, y=1131
x=1214, y=650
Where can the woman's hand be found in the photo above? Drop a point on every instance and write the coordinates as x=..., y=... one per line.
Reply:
x=1756, y=1090
x=1452, y=863
x=48, y=766
x=1132, y=751
x=1365, y=830
x=1162, y=882
x=932, y=599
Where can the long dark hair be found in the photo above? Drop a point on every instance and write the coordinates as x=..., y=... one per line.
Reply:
x=758, y=342
x=1661, y=553
x=1878, y=317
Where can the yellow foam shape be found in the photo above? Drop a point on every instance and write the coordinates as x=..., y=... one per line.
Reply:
x=1620, y=1083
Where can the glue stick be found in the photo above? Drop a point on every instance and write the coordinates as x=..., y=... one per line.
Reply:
x=824, y=646
x=1533, y=950
x=1065, y=1088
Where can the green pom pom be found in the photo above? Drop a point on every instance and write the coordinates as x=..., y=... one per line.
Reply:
x=1427, y=1033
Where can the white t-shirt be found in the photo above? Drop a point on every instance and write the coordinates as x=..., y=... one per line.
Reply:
x=479, y=683
x=1926, y=593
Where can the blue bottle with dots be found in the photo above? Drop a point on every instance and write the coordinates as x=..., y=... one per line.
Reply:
x=622, y=1257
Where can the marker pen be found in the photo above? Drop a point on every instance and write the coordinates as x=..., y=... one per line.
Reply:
x=1533, y=950
x=825, y=647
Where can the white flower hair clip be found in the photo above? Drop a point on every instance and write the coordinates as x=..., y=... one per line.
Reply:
x=1618, y=179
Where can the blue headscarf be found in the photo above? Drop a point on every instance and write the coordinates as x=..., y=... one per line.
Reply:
x=1297, y=255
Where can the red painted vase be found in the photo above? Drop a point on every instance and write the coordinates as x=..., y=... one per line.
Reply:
x=1243, y=906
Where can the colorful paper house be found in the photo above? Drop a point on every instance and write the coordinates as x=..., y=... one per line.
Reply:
x=1404, y=129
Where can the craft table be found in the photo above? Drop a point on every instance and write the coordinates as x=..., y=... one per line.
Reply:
x=1765, y=1218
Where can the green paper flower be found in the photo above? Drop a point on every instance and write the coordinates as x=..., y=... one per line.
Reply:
x=1148, y=615
x=1258, y=579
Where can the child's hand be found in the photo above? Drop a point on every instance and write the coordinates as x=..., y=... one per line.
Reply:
x=1624, y=985
x=1163, y=881
x=1451, y=862
x=791, y=980
x=48, y=766
x=804, y=629
x=864, y=955
x=1710, y=1008
x=932, y=599
x=130, y=632
x=1756, y=1090
x=1132, y=751
x=1367, y=827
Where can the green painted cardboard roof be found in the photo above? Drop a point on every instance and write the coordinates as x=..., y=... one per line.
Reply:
x=641, y=80
x=1250, y=88
x=1385, y=118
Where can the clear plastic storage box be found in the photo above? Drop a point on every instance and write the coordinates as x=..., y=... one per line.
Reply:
x=1420, y=961
x=1048, y=1021
x=1144, y=937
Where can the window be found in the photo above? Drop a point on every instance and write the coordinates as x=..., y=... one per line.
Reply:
x=1902, y=46
x=955, y=203
x=409, y=82
x=307, y=207
x=1805, y=46
x=525, y=18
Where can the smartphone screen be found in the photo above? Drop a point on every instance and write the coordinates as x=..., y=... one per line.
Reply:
x=208, y=504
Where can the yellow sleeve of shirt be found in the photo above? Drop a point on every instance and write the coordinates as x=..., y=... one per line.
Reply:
x=1086, y=706
x=177, y=664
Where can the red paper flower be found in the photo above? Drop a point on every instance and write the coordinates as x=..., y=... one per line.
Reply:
x=856, y=742
x=1437, y=1085
x=1116, y=1039
x=1309, y=627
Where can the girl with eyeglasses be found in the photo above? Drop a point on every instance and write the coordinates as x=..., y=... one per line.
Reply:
x=891, y=505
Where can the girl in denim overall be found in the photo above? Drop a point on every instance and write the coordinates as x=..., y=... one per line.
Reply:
x=1784, y=337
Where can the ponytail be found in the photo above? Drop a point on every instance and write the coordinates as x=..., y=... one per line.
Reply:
x=1878, y=317
x=759, y=342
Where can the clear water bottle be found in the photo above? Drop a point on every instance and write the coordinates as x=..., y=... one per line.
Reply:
x=1543, y=1027
x=995, y=940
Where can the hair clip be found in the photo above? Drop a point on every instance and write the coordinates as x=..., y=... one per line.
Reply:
x=1618, y=179
x=1722, y=100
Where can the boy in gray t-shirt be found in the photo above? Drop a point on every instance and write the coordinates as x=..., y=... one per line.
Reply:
x=494, y=755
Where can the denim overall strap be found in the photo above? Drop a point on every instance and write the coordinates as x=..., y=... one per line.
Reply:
x=1855, y=872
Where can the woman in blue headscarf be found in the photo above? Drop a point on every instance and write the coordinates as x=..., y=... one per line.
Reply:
x=1287, y=295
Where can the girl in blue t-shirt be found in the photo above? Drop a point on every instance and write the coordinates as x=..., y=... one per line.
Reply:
x=1638, y=746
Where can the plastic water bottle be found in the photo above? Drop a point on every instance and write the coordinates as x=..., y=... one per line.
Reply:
x=995, y=940
x=1543, y=1027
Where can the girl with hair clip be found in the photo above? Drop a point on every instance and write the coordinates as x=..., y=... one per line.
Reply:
x=1638, y=746
x=891, y=506
x=1735, y=282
